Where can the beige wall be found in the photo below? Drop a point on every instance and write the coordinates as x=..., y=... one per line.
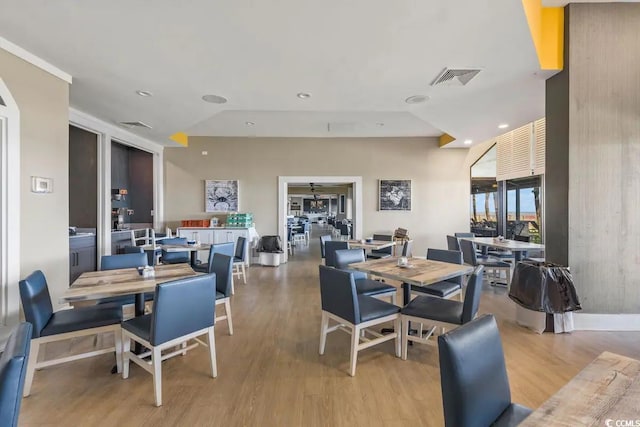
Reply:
x=44, y=110
x=440, y=187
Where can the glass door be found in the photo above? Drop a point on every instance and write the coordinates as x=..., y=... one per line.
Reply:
x=484, y=208
x=525, y=208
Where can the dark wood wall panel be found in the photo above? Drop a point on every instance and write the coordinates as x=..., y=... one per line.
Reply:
x=83, y=178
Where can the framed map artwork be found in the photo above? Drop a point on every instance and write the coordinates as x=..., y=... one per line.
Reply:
x=394, y=195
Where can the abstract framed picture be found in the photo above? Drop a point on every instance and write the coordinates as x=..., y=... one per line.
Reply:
x=394, y=195
x=221, y=196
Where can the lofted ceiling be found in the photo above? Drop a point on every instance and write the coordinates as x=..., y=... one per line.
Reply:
x=359, y=60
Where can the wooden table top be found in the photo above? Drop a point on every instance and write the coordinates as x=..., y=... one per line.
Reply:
x=101, y=284
x=179, y=248
x=374, y=244
x=513, y=245
x=422, y=271
x=607, y=389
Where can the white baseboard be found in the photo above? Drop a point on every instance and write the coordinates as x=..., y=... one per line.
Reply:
x=606, y=322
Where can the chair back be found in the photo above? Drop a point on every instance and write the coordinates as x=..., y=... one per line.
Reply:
x=384, y=238
x=175, y=257
x=241, y=246
x=468, y=252
x=323, y=240
x=219, y=248
x=222, y=266
x=330, y=248
x=195, y=294
x=115, y=262
x=472, y=295
x=13, y=369
x=453, y=257
x=464, y=235
x=36, y=301
x=344, y=257
x=344, y=229
x=338, y=294
x=407, y=248
x=452, y=243
x=473, y=375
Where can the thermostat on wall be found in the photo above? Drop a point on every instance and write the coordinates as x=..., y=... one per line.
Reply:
x=41, y=185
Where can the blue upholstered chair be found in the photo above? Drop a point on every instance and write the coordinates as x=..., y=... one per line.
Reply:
x=175, y=257
x=439, y=312
x=220, y=248
x=452, y=243
x=323, y=240
x=470, y=257
x=364, y=285
x=446, y=288
x=116, y=262
x=13, y=369
x=239, y=261
x=223, y=269
x=330, y=248
x=64, y=324
x=384, y=252
x=473, y=377
x=342, y=304
x=168, y=326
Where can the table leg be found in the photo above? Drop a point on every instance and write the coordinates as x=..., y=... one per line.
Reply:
x=194, y=257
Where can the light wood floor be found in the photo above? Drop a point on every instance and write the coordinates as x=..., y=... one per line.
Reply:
x=270, y=373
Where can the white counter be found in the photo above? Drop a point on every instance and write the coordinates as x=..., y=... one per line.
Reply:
x=215, y=235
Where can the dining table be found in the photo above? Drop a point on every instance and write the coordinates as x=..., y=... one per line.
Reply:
x=605, y=393
x=94, y=285
x=418, y=271
x=370, y=244
x=515, y=246
x=191, y=248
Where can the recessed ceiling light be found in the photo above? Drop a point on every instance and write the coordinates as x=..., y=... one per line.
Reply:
x=214, y=99
x=249, y=123
x=144, y=93
x=467, y=142
x=503, y=126
x=303, y=95
x=380, y=124
x=416, y=99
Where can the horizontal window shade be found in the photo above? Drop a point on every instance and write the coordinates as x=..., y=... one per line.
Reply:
x=518, y=152
x=539, y=129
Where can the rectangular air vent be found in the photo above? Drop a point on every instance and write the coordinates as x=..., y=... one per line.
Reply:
x=455, y=76
x=137, y=124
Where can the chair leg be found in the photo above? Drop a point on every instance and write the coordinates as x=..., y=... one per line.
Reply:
x=184, y=345
x=324, y=325
x=233, y=289
x=212, y=353
x=244, y=274
x=227, y=311
x=397, y=324
x=156, y=361
x=126, y=353
x=393, y=298
x=117, y=337
x=31, y=367
x=353, y=359
x=405, y=340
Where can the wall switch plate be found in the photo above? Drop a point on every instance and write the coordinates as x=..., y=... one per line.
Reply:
x=41, y=185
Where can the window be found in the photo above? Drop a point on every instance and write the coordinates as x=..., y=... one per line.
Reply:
x=524, y=208
x=484, y=195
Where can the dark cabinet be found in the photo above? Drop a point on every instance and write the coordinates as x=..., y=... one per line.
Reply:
x=82, y=256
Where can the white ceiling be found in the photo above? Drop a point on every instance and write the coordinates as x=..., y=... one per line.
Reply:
x=359, y=59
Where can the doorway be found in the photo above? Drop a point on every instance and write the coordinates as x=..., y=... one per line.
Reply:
x=9, y=212
x=356, y=196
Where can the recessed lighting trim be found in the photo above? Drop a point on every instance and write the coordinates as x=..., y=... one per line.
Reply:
x=503, y=126
x=303, y=95
x=249, y=123
x=214, y=99
x=416, y=99
x=144, y=93
x=468, y=142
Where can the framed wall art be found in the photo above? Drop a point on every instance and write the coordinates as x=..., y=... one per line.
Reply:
x=221, y=196
x=394, y=195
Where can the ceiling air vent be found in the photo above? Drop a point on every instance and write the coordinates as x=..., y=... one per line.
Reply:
x=137, y=124
x=455, y=77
